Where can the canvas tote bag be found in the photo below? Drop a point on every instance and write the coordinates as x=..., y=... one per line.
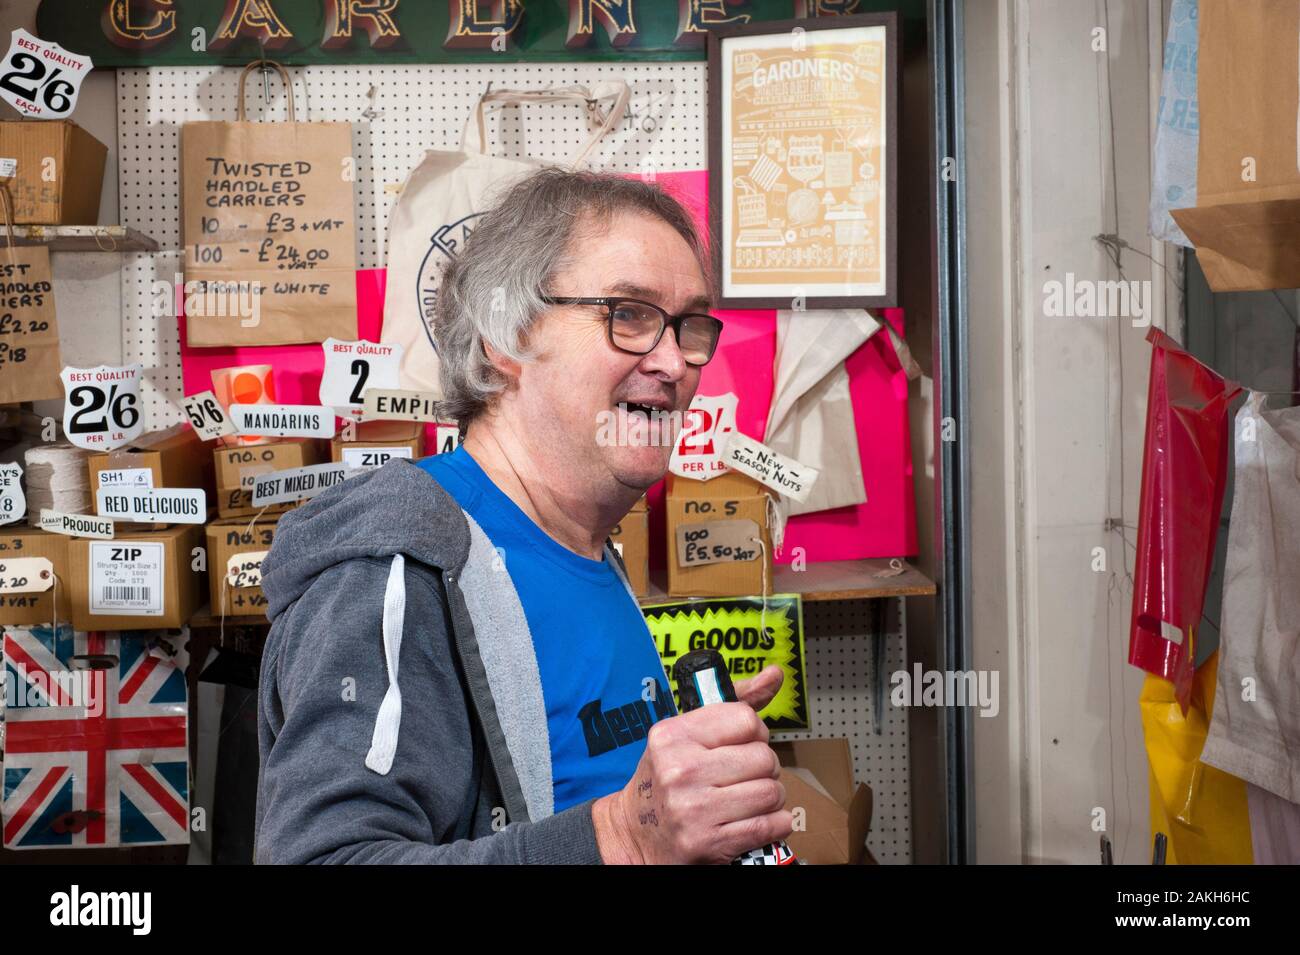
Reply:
x=269, y=203
x=440, y=202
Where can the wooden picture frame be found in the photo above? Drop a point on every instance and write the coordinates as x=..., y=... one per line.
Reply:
x=801, y=214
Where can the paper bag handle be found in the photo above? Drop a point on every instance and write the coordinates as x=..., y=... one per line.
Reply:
x=7, y=198
x=284, y=75
x=474, y=138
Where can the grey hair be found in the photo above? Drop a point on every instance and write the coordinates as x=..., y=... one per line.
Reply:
x=491, y=293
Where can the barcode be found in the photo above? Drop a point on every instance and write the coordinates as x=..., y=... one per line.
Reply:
x=126, y=593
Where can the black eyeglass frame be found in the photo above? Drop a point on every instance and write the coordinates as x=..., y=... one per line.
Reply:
x=675, y=321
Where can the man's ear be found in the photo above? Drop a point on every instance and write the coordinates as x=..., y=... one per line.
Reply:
x=507, y=366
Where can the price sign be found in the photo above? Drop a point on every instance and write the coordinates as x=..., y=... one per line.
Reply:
x=352, y=367
x=245, y=570
x=13, y=504
x=41, y=79
x=206, y=415
x=101, y=410
x=709, y=421
x=29, y=333
x=26, y=575
x=717, y=542
x=448, y=438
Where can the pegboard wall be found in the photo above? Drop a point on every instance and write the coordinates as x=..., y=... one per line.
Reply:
x=396, y=113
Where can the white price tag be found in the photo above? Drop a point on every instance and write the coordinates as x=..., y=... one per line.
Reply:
x=716, y=542
x=245, y=570
x=365, y=459
x=26, y=575
x=8, y=167
x=352, y=367
x=76, y=525
x=207, y=416
x=297, y=484
x=448, y=438
x=709, y=422
x=41, y=79
x=13, y=503
x=284, y=421
x=126, y=578
x=164, y=505
x=126, y=477
x=782, y=474
x=101, y=410
x=382, y=404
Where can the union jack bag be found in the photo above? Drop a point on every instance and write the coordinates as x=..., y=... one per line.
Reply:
x=96, y=739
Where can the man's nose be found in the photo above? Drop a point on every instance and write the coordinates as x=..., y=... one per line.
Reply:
x=666, y=359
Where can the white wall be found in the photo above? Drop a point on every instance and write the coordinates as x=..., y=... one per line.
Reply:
x=1058, y=421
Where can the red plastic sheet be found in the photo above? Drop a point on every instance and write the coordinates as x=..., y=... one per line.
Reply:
x=1184, y=470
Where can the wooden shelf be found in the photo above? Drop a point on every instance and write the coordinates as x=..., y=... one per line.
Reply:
x=85, y=238
x=830, y=580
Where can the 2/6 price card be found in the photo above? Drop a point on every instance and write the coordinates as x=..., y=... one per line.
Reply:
x=101, y=410
x=41, y=79
x=29, y=334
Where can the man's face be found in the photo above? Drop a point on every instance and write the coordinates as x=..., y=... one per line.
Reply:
x=574, y=396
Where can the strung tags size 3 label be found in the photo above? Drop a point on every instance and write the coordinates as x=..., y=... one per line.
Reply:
x=126, y=578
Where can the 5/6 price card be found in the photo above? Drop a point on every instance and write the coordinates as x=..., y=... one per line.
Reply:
x=29, y=334
x=101, y=410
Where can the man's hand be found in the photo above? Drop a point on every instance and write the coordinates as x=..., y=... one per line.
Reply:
x=758, y=691
x=707, y=790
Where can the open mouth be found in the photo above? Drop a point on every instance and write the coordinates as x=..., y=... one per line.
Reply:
x=648, y=409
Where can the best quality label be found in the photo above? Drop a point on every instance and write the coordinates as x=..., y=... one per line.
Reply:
x=13, y=503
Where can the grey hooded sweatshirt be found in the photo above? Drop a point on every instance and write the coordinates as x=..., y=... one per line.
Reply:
x=400, y=710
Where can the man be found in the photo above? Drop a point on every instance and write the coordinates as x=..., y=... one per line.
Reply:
x=457, y=670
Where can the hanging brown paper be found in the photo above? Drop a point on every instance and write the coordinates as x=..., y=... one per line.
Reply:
x=270, y=236
x=29, y=334
x=1246, y=222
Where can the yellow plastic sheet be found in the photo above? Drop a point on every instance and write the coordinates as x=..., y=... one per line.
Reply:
x=1202, y=810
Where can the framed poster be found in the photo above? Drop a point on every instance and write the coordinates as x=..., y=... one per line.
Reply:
x=803, y=171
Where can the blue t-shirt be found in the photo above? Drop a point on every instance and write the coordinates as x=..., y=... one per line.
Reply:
x=594, y=651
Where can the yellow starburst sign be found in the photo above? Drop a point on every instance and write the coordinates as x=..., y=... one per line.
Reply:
x=750, y=633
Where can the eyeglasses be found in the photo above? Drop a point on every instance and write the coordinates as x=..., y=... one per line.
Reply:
x=636, y=326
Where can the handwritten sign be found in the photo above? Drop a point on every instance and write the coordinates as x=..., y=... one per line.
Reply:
x=41, y=79
x=782, y=474
x=352, y=367
x=268, y=217
x=102, y=407
x=26, y=575
x=13, y=503
x=29, y=333
x=284, y=421
x=245, y=570
x=717, y=542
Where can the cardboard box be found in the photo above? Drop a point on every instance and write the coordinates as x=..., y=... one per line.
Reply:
x=18, y=541
x=175, y=458
x=1246, y=221
x=236, y=468
x=376, y=442
x=226, y=538
x=140, y=581
x=723, y=501
x=818, y=779
x=72, y=196
x=632, y=539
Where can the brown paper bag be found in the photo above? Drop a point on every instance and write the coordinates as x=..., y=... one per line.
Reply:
x=29, y=334
x=268, y=203
x=1246, y=223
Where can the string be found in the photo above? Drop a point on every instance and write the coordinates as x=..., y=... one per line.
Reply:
x=7, y=198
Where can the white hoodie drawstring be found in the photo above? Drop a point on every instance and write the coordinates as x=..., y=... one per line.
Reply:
x=383, y=743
